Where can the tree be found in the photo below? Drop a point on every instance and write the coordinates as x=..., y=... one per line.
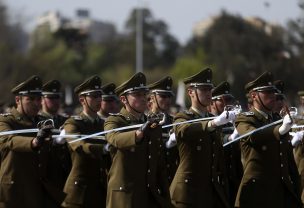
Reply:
x=12, y=60
x=160, y=48
x=241, y=49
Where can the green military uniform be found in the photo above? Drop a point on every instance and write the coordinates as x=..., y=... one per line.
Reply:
x=137, y=177
x=171, y=156
x=23, y=172
x=270, y=177
x=86, y=185
x=299, y=152
x=59, y=164
x=232, y=152
x=200, y=179
x=164, y=86
x=108, y=93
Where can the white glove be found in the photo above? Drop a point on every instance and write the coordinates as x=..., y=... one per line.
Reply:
x=106, y=148
x=286, y=125
x=234, y=135
x=60, y=140
x=222, y=119
x=171, y=141
x=297, y=138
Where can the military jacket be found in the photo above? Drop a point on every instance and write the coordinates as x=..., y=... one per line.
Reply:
x=200, y=179
x=59, y=163
x=299, y=158
x=170, y=154
x=86, y=185
x=23, y=172
x=234, y=167
x=137, y=177
x=270, y=177
x=58, y=119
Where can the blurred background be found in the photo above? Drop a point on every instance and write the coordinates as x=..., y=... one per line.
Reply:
x=73, y=39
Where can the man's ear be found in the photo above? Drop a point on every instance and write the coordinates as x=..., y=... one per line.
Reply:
x=253, y=95
x=190, y=91
x=81, y=99
x=123, y=99
x=17, y=99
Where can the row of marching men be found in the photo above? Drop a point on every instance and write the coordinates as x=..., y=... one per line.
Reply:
x=134, y=167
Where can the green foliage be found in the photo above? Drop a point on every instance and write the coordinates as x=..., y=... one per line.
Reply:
x=240, y=49
x=159, y=46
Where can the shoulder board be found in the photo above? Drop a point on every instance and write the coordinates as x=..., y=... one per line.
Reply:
x=64, y=115
x=6, y=114
x=115, y=114
x=249, y=113
x=77, y=118
x=188, y=112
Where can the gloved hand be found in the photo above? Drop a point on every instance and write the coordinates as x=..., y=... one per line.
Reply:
x=60, y=140
x=171, y=141
x=142, y=131
x=286, y=125
x=234, y=135
x=224, y=118
x=106, y=148
x=43, y=133
x=297, y=138
x=144, y=128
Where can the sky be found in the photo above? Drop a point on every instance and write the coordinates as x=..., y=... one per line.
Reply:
x=180, y=15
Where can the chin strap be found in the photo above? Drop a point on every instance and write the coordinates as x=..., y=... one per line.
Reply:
x=131, y=106
x=199, y=101
x=158, y=106
x=261, y=102
x=85, y=99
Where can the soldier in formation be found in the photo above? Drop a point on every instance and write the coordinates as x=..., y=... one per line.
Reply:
x=222, y=100
x=86, y=183
x=270, y=177
x=200, y=179
x=24, y=178
x=137, y=177
x=133, y=164
x=161, y=96
x=59, y=163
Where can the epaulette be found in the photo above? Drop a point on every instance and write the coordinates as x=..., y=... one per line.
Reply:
x=121, y=116
x=248, y=113
x=77, y=118
x=6, y=114
x=188, y=112
x=115, y=114
x=64, y=115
